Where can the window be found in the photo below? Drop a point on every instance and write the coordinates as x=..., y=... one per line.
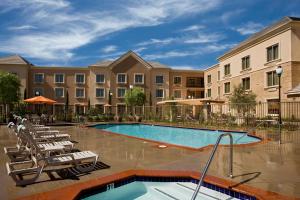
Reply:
x=272, y=78
x=219, y=90
x=273, y=106
x=246, y=83
x=272, y=53
x=100, y=78
x=227, y=69
x=121, y=92
x=227, y=87
x=59, y=78
x=245, y=62
x=121, y=78
x=38, y=78
x=195, y=82
x=177, y=94
x=208, y=92
x=139, y=78
x=219, y=75
x=208, y=79
x=100, y=93
x=80, y=92
x=177, y=79
x=38, y=91
x=159, y=93
x=59, y=92
x=159, y=79
x=80, y=78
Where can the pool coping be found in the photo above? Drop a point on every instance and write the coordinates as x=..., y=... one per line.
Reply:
x=261, y=139
x=75, y=190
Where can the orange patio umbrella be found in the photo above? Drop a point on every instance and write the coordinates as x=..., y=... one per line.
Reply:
x=40, y=100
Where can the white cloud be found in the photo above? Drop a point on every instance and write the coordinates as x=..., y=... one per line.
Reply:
x=140, y=49
x=206, y=49
x=157, y=42
x=24, y=27
x=109, y=48
x=204, y=38
x=225, y=17
x=60, y=28
x=249, y=28
x=193, y=28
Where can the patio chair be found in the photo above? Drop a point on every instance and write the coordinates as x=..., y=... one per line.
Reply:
x=22, y=149
x=40, y=161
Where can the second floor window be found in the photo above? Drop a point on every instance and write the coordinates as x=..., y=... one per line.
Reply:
x=39, y=78
x=208, y=78
x=80, y=92
x=208, y=92
x=59, y=92
x=159, y=93
x=246, y=83
x=59, y=78
x=139, y=78
x=227, y=69
x=272, y=53
x=100, y=78
x=177, y=80
x=227, y=87
x=80, y=78
x=100, y=92
x=272, y=78
x=159, y=79
x=121, y=78
x=245, y=62
x=121, y=92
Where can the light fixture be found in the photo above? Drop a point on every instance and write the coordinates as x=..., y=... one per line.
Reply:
x=279, y=70
x=37, y=93
x=130, y=86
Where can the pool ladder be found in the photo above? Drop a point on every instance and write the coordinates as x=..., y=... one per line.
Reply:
x=210, y=160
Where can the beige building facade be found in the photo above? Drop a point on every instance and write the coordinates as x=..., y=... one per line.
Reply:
x=96, y=84
x=253, y=62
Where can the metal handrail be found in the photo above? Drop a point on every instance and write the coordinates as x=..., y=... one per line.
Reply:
x=210, y=160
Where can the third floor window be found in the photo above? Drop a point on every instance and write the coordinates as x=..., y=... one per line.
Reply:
x=59, y=78
x=227, y=69
x=272, y=53
x=177, y=79
x=159, y=79
x=208, y=79
x=38, y=78
x=121, y=78
x=80, y=78
x=139, y=78
x=100, y=78
x=245, y=62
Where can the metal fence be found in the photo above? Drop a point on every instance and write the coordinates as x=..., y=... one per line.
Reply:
x=217, y=114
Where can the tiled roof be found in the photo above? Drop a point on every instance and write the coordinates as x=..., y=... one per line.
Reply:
x=103, y=63
x=157, y=65
x=15, y=59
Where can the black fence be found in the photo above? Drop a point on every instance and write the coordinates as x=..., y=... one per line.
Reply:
x=215, y=114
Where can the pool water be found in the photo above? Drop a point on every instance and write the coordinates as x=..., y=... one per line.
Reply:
x=158, y=191
x=194, y=138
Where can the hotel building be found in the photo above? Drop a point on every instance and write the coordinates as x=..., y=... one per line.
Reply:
x=251, y=63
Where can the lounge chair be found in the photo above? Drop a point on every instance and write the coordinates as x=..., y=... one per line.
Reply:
x=40, y=161
x=22, y=149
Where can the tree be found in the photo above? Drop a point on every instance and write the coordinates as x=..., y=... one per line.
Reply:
x=243, y=101
x=9, y=89
x=135, y=97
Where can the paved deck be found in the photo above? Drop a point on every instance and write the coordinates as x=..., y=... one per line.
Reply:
x=267, y=166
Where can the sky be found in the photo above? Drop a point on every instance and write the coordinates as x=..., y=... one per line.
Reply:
x=183, y=34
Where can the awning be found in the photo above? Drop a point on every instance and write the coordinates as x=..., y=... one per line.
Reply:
x=193, y=102
x=295, y=92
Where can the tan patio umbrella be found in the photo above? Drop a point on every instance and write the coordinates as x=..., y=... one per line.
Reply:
x=40, y=100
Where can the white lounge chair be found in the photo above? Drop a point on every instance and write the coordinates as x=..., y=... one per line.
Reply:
x=40, y=161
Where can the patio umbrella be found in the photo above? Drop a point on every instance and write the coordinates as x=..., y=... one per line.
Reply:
x=40, y=100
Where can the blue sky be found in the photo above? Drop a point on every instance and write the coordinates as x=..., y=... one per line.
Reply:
x=180, y=33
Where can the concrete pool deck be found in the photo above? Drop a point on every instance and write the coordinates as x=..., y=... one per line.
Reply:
x=267, y=166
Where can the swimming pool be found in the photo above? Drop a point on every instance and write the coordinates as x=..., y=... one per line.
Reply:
x=141, y=190
x=194, y=138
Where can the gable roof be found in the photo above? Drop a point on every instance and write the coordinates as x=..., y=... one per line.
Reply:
x=157, y=65
x=14, y=59
x=104, y=63
x=126, y=55
x=257, y=36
